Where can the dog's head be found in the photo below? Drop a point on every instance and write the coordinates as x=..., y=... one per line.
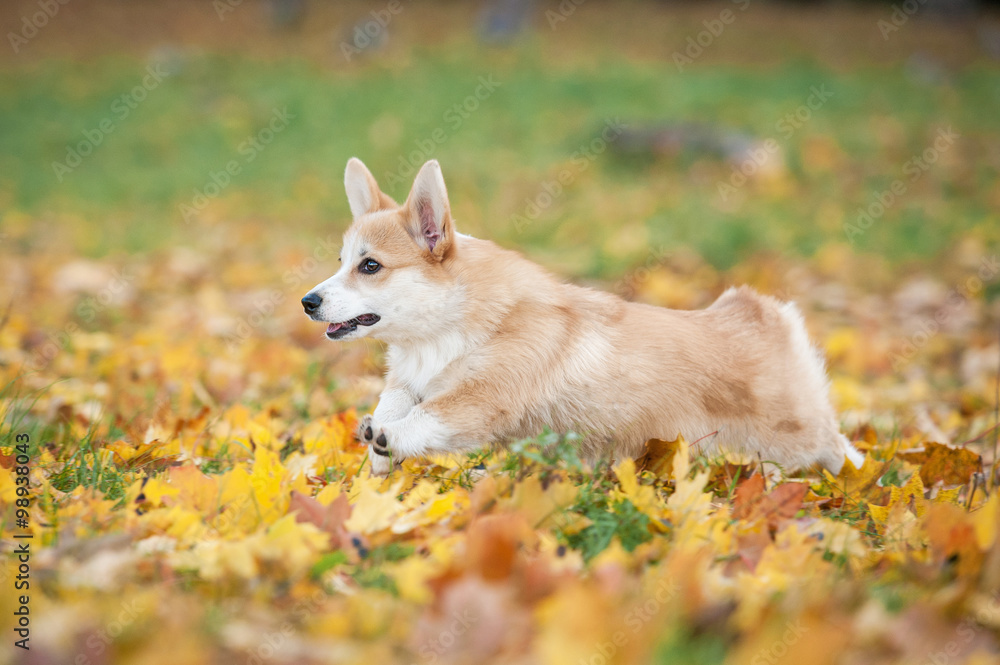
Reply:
x=391, y=284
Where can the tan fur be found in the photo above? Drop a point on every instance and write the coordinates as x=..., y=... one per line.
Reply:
x=530, y=352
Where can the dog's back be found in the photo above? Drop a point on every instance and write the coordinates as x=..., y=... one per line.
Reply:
x=621, y=373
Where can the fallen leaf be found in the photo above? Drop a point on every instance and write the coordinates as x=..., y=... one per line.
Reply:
x=658, y=458
x=941, y=463
x=330, y=519
x=748, y=494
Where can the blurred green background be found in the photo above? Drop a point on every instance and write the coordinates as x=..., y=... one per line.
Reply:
x=561, y=77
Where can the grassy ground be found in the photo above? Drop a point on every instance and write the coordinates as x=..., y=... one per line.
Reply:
x=196, y=493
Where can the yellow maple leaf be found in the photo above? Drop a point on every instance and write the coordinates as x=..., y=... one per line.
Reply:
x=327, y=495
x=372, y=509
x=215, y=559
x=986, y=521
x=445, y=504
x=689, y=500
x=947, y=496
x=436, y=509
x=423, y=491
x=156, y=488
x=543, y=507
x=910, y=495
x=266, y=477
x=643, y=497
x=838, y=537
x=411, y=575
x=262, y=436
x=293, y=544
x=8, y=487
x=851, y=479
x=239, y=513
x=183, y=524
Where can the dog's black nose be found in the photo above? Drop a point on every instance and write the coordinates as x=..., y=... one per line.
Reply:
x=311, y=303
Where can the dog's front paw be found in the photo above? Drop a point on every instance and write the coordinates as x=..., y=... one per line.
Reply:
x=369, y=432
x=366, y=428
x=380, y=466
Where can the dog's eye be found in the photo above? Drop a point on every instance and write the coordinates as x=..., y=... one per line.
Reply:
x=369, y=267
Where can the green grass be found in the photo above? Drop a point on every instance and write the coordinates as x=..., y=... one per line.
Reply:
x=126, y=194
x=608, y=521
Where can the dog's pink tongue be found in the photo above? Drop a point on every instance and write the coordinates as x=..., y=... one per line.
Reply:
x=334, y=327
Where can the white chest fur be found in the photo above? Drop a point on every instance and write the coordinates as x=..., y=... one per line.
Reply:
x=415, y=366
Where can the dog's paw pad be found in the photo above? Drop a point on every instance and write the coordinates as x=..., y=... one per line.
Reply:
x=364, y=431
x=381, y=445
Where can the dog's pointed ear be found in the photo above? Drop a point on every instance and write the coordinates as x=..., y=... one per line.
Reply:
x=363, y=193
x=430, y=221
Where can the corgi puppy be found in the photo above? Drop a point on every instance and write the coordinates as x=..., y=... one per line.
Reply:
x=485, y=346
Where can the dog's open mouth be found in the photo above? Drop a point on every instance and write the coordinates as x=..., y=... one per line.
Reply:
x=338, y=330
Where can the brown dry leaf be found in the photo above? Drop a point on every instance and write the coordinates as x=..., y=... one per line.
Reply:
x=783, y=502
x=329, y=519
x=749, y=494
x=938, y=462
x=750, y=548
x=658, y=458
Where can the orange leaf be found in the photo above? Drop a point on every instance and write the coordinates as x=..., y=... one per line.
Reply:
x=783, y=502
x=938, y=462
x=329, y=519
x=493, y=544
x=750, y=547
x=749, y=494
x=658, y=458
x=952, y=534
